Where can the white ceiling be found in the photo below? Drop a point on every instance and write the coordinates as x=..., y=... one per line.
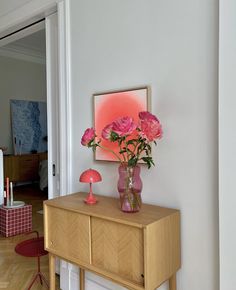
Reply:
x=30, y=48
x=9, y=5
x=34, y=42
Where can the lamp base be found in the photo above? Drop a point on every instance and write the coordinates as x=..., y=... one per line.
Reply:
x=90, y=199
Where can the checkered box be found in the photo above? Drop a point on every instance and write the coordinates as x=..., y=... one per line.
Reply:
x=15, y=221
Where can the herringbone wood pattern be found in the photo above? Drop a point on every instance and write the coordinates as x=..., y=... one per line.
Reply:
x=75, y=230
x=17, y=271
x=118, y=248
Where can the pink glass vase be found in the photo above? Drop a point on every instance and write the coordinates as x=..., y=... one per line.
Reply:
x=130, y=187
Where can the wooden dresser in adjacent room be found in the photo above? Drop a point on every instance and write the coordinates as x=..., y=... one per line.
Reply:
x=137, y=250
x=22, y=168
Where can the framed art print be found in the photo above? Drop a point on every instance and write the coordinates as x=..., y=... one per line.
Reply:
x=29, y=126
x=112, y=105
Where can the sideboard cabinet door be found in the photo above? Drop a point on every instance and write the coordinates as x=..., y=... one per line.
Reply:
x=118, y=249
x=28, y=167
x=68, y=234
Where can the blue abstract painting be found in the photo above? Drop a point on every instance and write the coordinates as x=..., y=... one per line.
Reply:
x=29, y=126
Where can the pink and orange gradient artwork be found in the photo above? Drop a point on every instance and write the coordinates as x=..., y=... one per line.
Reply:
x=110, y=106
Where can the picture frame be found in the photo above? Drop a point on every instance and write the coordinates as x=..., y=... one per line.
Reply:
x=111, y=105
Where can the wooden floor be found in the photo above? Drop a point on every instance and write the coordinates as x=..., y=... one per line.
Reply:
x=17, y=271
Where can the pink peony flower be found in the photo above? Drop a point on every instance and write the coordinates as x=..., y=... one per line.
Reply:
x=145, y=115
x=130, y=142
x=150, y=129
x=106, y=132
x=88, y=136
x=124, y=126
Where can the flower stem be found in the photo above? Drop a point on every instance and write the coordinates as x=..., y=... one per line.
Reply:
x=108, y=149
x=123, y=155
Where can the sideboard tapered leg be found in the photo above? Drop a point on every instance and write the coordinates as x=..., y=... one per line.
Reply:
x=52, y=272
x=81, y=278
x=172, y=282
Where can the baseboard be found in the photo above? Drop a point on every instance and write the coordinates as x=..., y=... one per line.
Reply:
x=69, y=279
x=95, y=282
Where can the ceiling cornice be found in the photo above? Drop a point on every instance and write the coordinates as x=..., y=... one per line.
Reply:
x=22, y=53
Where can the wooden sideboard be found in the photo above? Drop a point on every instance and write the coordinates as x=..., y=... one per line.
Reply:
x=139, y=250
x=21, y=168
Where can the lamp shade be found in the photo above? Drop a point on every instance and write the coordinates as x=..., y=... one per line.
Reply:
x=90, y=176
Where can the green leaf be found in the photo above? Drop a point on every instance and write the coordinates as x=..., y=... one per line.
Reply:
x=148, y=160
x=152, y=162
x=132, y=162
x=149, y=147
x=131, y=142
x=114, y=136
x=94, y=147
x=90, y=144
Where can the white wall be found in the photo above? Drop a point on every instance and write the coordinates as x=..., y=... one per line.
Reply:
x=19, y=80
x=172, y=46
x=227, y=144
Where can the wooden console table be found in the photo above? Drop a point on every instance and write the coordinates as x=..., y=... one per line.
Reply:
x=139, y=251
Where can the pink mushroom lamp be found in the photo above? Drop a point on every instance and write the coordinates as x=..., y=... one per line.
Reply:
x=90, y=176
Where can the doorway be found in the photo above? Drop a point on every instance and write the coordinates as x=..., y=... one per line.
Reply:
x=21, y=16
x=23, y=114
x=59, y=87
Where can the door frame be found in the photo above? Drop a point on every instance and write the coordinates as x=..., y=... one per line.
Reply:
x=28, y=14
x=227, y=142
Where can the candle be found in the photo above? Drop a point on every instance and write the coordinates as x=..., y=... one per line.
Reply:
x=5, y=198
x=11, y=193
x=7, y=189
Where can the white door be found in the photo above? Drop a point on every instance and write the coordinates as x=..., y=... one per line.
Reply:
x=52, y=105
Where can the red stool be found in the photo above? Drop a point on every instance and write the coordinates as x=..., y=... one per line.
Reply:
x=33, y=248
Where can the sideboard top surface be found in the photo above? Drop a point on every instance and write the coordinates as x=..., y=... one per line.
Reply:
x=24, y=154
x=108, y=208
